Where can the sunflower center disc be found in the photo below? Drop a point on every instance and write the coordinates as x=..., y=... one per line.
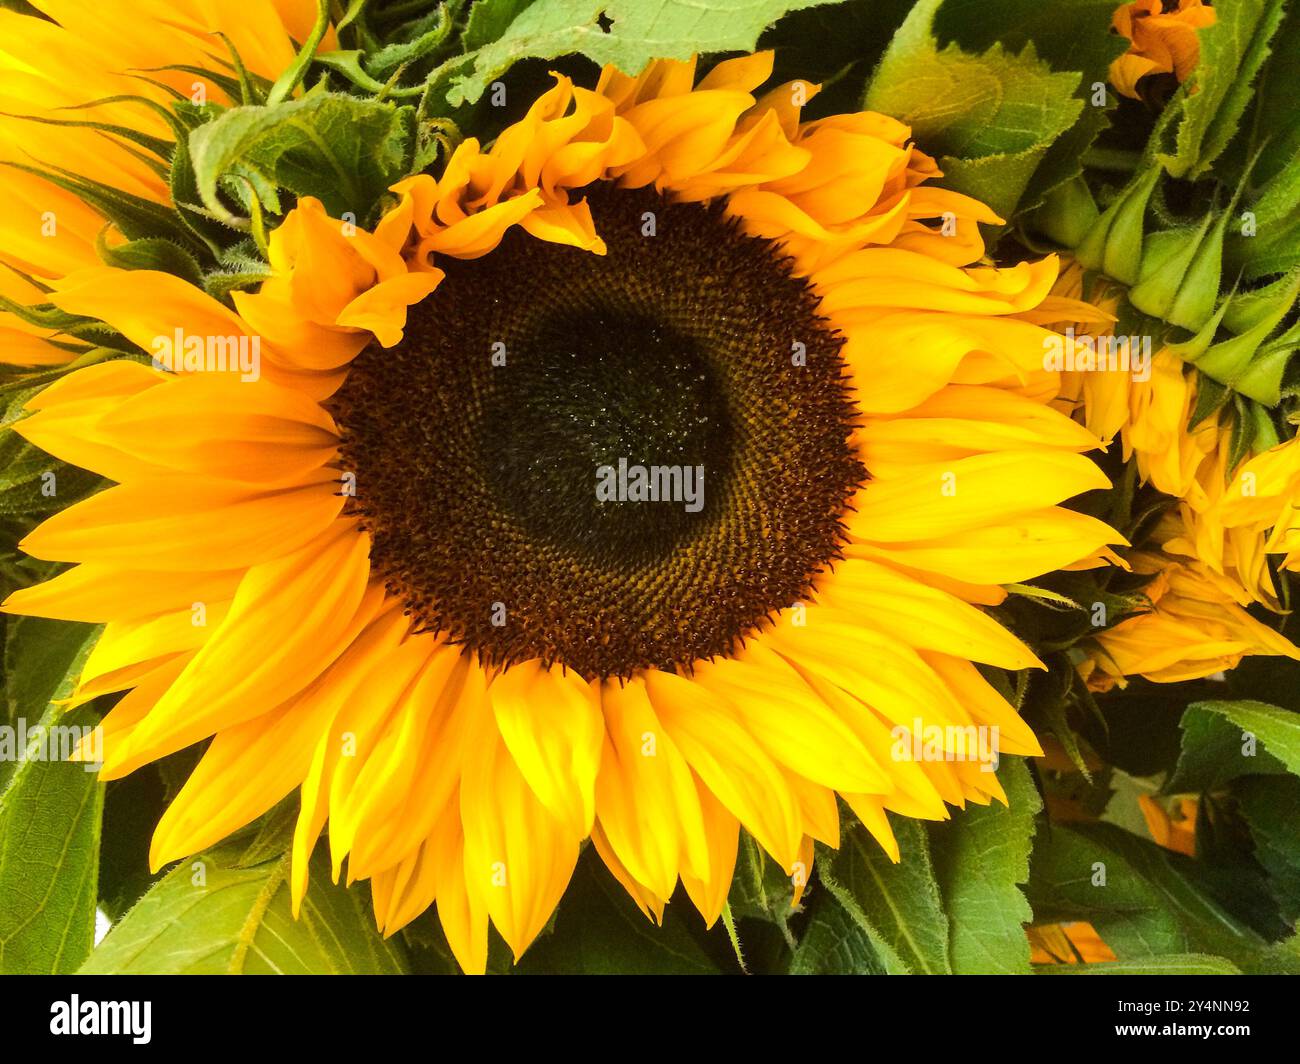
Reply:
x=608, y=462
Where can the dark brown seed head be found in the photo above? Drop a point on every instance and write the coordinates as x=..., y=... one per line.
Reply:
x=692, y=347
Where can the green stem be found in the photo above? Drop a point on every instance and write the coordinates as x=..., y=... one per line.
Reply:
x=290, y=79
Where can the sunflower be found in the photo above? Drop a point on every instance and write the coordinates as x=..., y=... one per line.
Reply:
x=1234, y=512
x=1196, y=625
x=379, y=569
x=1163, y=40
x=1208, y=559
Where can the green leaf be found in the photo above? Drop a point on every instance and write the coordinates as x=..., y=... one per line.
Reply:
x=1271, y=808
x=43, y=658
x=209, y=917
x=132, y=808
x=428, y=948
x=343, y=150
x=1173, y=964
x=834, y=943
x=1209, y=106
x=1274, y=119
x=1063, y=162
x=990, y=118
x=1224, y=740
x=981, y=857
x=489, y=20
x=1274, y=243
x=1143, y=900
x=835, y=47
x=627, y=33
x=1067, y=34
x=760, y=890
x=1280, y=959
x=898, y=906
x=49, y=807
x=273, y=834
x=33, y=483
x=599, y=931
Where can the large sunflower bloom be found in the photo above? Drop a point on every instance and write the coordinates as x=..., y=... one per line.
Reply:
x=415, y=609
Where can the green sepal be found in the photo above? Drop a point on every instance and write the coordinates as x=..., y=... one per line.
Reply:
x=1263, y=378
x=392, y=57
x=348, y=63
x=1211, y=397
x=292, y=76
x=220, y=283
x=1245, y=310
x=1068, y=214
x=1113, y=245
x=1244, y=427
x=1194, y=347
x=158, y=145
x=150, y=253
x=1248, y=363
x=135, y=216
x=1180, y=273
x=249, y=93
x=225, y=82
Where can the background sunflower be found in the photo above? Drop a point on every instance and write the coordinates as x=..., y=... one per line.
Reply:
x=350, y=348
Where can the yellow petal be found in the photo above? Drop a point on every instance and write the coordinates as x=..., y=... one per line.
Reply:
x=722, y=832
x=728, y=761
x=645, y=795
x=518, y=857
x=289, y=621
x=188, y=524
x=791, y=722
x=551, y=724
